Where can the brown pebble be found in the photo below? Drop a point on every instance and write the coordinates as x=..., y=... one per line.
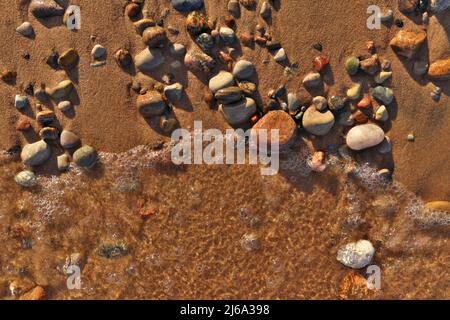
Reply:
x=123, y=58
x=277, y=120
x=8, y=76
x=359, y=116
x=23, y=124
x=132, y=10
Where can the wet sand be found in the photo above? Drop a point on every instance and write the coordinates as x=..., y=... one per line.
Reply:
x=190, y=247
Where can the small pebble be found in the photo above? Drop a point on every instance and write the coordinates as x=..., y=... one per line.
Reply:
x=21, y=102
x=63, y=162
x=26, y=179
x=98, y=52
x=25, y=29
x=280, y=55
x=411, y=137
x=352, y=65
x=64, y=106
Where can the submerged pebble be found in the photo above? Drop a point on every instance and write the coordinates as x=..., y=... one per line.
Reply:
x=26, y=179
x=356, y=255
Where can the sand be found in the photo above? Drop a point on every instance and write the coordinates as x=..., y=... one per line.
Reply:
x=106, y=118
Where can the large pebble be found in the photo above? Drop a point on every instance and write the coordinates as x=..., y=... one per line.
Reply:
x=277, y=120
x=174, y=92
x=25, y=29
x=228, y=95
x=26, y=179
x=383, y=94
x=154, y=36
x=440, y=70
x=356, y=255
x=439, y=206
x=35, y=154
x=69, y=59
x=320, y=103
x=186, y=5
x=45, y=9
x=85, y=157
x=61, y=90
x=239, y=112
x=407, y=43
x=148, y=59
x=243, y=69
x=317, y=122
x=151, y=104
x=227, y=35
x=312, y=80
x=364, y=136
x=222, y=80
x=69, y=139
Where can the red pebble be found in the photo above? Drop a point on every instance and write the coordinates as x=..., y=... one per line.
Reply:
x=320, y=62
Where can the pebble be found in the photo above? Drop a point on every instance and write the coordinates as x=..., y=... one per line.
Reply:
x=359, y=116
x=186, y=5
x=320, y=62
x=26, y=179
x=198, y=23
x=399, y=23
x=384, y=174
x=293, y=103
x=23, y=124
x=440, y=70
x=239, y=112
x=443, y=206
x=41, y=95
x=154, y=37
x=98, y=52
x=385, y=147
x=69, y=59
x=132, y=10
x=383, y=94
x=25, y=29
x=205, y=41
x=48, y=134
x=85, y=157
x=317, y=122
x=69, y=140
x=411, y=137
x=52, y=60
x=174, y=92
x=248, y=4
x=123, y=58
x=234, y=8
x=167, y=123
x=277, y=120
x=352, y=65
x=382, y=114
x=266, y=10
x=386, y=65
x=199, y=62
x=280, y=55
x=247, y=87
x=45, y=117
x=365, y=102
x=354, y=92
x=177, y=50
x=222, y=80
x=346, y=119
x=243, y=69
x=383, y=76
x=320, y=103
x=61, y=90
x=35, y=154
x=148, y=59
x=151, y=104
x=370, y=65
x=387, y=16
x=273, y=45
x=312, y=79
x=336, y=102
x=420, y=67
x=8, y=76
x=407, y=43
x=356, y=255
x=250, y=242
x=143, y=24
x=408, y=6
x=21, y=102
x=45, y=9
x=228, y=95
x=64, y=106
x=425, y=18
x=317, y=161
x=364, y=136
x=227, y=35
x=63, y=162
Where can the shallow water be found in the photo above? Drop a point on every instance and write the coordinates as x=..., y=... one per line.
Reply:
x=190, y=245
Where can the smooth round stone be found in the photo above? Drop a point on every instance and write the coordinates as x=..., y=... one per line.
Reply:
x=35, y=154
x=186, y=5
x=98, y=51
x=85, y=157
x=45, y=9
x=312, y=79
x=151, y=104
x=356, y=255
x=277, y=120
x=45, y=117
x=143, y=24
x=317, y=122
x=439, y=206
x=69, y=59
x=26, y=179
x=154, y=36
x=227, y=35
x=364, y=136
x=293, y=103
x=63, y=162
x=383, y=94
x=64, y=106
x=228, y=95
x=222, y=80
x=25, y=29
x=21, y=102
x=69, y=139
x=266, y=10
x=320, y=103
x=352, y=65
x=239, y=112
x=174, y=92
x=177, y=49
x=61, y=90
x=148, y=59
x=243, y=69
x=407, y=43
x=280, y=55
